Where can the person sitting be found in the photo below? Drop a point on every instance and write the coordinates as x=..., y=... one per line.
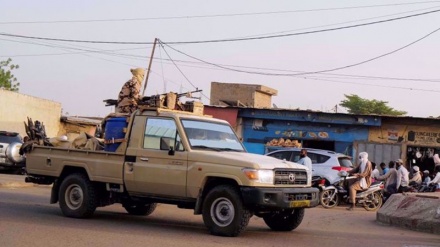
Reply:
x=384, y=168
x=417, y=176
x=436, y=179
x=426, y=176
x=363, y=174
x=390, y=181
x=375, y=173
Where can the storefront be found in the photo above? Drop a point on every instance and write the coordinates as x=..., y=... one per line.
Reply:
x=264, y=130
x=418, y=138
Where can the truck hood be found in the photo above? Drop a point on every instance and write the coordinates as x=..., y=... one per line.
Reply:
x=246, y=160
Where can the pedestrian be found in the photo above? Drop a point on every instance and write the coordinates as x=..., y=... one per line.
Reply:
x=375, y=173
x=304, y=159
x=403, y=178
x=384, y=168
x=426, y=176
x=129, y=95
x=390, y=180
x=363, y=174
x=417, y=176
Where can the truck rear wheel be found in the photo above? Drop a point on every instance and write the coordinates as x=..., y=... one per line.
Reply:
x=142, y=209
x=77, y=196
x=224, y=213
x=284, y=221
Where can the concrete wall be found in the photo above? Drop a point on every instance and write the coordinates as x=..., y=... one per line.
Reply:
x=16, y=107
x=249, y=95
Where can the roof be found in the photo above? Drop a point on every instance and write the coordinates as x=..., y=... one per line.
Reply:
x=82, y=120
x=329, y=113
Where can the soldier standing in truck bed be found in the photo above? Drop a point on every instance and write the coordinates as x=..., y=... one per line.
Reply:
x=130, y=93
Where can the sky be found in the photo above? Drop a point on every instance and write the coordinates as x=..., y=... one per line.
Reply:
x=312, y=52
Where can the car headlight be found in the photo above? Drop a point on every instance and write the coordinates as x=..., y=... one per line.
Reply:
x=260, y=176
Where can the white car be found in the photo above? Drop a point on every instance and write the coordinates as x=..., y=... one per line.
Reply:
x=325, y=163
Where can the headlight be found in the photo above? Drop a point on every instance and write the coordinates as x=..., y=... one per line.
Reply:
x=260, y=176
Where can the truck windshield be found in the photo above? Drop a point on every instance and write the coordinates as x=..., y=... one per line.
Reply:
x=211, y=136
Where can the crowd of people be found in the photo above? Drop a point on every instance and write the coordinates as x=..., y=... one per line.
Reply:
x=398, y=179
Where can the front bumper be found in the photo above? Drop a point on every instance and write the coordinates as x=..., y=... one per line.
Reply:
x=280, y=198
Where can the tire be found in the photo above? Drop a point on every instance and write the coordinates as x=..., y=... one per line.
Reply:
x=376, y=202
x=285, y=221
x=224, y=213
x=140, y=209
x=77, y=196
x=329, y=198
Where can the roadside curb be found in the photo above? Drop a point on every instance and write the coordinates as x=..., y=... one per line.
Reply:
x=414, y=211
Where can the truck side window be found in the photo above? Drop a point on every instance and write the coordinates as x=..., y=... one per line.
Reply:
x=161, y=134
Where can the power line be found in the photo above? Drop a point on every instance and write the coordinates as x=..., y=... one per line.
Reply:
x=375, y=85
x=181, y=72
x=223, y=40
x=306, y=73
x=214, y=15
x=138, y=57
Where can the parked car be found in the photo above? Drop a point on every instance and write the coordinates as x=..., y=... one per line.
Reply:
x=325, y=163
x=10, y=143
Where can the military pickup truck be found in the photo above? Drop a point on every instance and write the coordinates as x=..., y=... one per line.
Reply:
x=193, y=161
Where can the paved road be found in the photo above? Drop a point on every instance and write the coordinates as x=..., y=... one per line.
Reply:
x=27, y=219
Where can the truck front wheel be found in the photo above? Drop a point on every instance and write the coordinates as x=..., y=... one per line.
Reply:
x=285, y=220
x=224, y=213
x=77, y=196
x=141, y=209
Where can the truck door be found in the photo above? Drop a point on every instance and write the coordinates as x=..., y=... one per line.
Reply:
x=161, y=162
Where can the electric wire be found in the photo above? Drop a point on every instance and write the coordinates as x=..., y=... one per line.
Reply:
x=375, y=85
x=225, y=40
x=215, y=15
x=181, y=72
x=311, y=72
x=140, y=57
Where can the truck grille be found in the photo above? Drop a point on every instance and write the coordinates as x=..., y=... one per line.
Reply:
x=290, y=177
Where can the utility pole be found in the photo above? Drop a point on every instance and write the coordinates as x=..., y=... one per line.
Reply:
x=149, y=66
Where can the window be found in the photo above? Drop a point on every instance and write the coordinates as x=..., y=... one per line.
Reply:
x=282, y=155
x=161, y=134
x=212, y=136
x=345, y=162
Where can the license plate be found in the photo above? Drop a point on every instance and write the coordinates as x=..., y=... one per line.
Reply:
x=300, y=204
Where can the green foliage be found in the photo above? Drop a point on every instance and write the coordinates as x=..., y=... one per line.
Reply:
x=7, y=79
x=358, y=105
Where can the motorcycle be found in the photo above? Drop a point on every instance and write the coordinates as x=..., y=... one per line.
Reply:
x=371, y=199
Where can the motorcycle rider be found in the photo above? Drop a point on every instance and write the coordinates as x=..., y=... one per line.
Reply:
x=391, y=180
x=363, y=181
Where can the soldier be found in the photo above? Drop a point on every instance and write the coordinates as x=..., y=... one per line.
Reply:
x=130, y=93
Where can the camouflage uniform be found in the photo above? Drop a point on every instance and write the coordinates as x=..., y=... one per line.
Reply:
x=130, y=93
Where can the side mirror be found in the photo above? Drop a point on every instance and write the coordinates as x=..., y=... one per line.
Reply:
x=171, y=151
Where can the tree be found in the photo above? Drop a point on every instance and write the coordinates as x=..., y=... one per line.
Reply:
x=358, y=105
x=7, y=79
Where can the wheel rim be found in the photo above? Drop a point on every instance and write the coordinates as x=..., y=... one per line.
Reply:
x=375, y=201
x=222, y=212
x=329, y=198
x=74, y=196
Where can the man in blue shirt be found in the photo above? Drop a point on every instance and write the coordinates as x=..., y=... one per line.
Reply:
x=305, y=160
x=384, y=168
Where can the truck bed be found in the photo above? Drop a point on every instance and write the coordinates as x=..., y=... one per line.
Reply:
x=100, y=165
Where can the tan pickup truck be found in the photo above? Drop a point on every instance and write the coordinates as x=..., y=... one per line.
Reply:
x=192, y=161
